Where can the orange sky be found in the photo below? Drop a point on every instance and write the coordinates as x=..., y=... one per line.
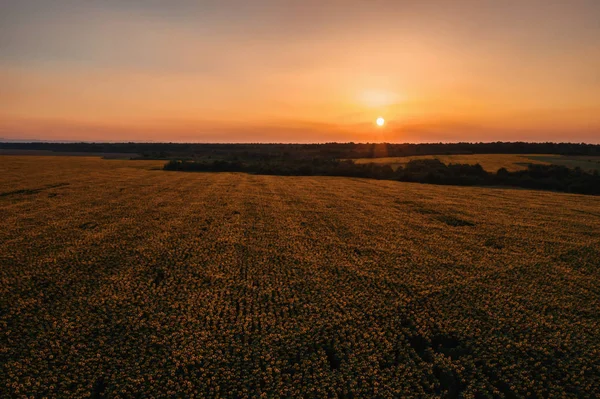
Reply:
x=300, y=71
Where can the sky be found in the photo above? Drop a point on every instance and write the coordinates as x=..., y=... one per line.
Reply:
x=300, y=71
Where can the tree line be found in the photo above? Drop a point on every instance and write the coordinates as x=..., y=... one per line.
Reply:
x=433, y=171
x=300, y=151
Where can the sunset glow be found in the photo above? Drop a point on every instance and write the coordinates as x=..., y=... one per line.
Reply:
x=300, y=71
x=380, y=121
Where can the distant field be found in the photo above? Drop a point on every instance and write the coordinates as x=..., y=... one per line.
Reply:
x=107, y=155
x=119, y=280
x=584, y=162
x=493, y=162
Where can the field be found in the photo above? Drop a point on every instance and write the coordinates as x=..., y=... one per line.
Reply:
x=590, y=163
x=107, y=155
x=493, y=162
x=120, y=280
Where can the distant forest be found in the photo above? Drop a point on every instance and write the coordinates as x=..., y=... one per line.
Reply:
x=303, y=151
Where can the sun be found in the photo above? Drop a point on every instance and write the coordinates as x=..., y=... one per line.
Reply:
x=380, y=121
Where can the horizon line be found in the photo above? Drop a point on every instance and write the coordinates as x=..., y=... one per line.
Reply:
x=40, y=141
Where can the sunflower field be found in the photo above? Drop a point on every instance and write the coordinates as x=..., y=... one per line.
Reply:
x=121, y=280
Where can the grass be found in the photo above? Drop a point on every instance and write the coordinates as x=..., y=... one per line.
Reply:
x=493, y=162
x=120, y=280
